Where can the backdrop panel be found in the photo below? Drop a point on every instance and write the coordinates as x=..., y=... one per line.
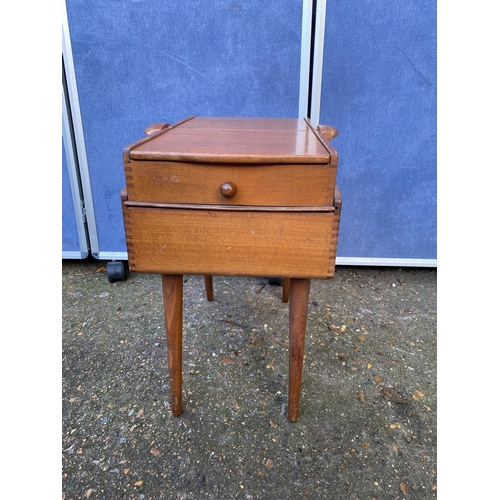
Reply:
x=137, y=63
x=379, y=90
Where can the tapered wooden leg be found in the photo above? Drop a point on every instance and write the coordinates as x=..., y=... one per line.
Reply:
x=286, y=289
x=172, y=303
x=299, y=301
x=209, y=287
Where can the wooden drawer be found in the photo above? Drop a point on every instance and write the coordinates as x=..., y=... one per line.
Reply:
x=287, y=185
x=269, y=162
x=231, y=242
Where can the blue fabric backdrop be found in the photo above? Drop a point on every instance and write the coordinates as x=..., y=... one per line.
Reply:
x=139, y=62
x=379, y=90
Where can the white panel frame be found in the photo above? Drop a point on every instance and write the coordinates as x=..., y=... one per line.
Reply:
x=79, y=137
x=384, y=262
x=317, y=62
x=305, y=57
x=74, y=183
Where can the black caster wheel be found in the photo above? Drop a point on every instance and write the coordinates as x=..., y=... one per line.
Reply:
x=116, y=271
x=275, y=281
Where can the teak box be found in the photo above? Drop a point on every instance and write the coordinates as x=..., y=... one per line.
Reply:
x=232, y=196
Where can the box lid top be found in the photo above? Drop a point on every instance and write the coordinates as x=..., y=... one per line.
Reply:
x=239, y=140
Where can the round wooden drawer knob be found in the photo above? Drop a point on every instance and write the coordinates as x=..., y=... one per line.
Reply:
x=228, y=189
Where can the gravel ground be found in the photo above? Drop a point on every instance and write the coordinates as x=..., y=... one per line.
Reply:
x=367, y=424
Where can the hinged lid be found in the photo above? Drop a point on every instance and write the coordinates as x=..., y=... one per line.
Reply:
x=228, y=140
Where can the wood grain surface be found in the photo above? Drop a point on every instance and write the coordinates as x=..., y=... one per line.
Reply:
x=246, y=243
x=257, y=140
x=200, y=183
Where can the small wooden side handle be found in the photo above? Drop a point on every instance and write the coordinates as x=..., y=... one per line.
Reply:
x=156, y=127
x=328, y=132
x=337, y=199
